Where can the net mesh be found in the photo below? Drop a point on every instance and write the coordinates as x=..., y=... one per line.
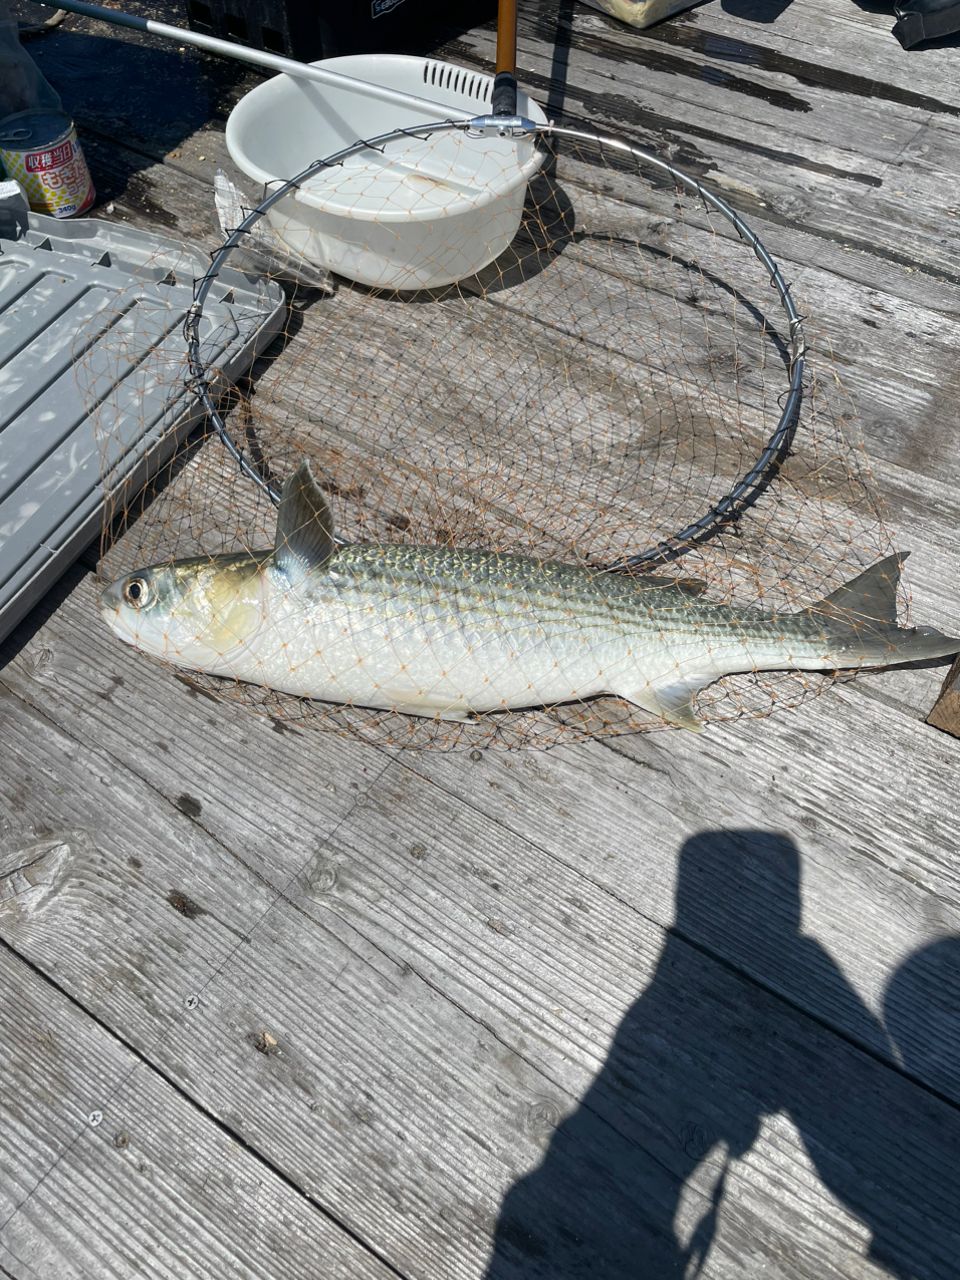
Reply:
x=600, y=385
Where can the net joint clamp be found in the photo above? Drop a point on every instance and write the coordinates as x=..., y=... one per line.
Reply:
x=500, y=126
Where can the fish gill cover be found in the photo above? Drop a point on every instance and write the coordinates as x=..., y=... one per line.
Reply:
x=601, y=385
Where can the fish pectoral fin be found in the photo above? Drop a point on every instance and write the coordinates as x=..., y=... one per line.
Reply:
x=671, y=700
x=304, y=539
x=453, y=717
x=435, y=711
x=431, y=704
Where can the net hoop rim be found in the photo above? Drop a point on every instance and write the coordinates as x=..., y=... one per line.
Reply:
x=726, y=511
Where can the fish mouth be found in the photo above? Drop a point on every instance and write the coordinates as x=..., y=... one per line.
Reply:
x=111, y=598
x=112, y=612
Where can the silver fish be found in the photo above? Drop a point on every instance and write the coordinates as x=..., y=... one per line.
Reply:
x=449, y=634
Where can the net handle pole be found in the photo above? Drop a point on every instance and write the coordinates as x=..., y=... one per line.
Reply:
x=259, y=57
x=505, y=80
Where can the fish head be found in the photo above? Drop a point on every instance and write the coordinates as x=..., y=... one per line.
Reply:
x=195, y=613
x=206, y=613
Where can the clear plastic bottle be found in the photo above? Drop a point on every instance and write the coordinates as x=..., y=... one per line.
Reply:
x=38, y=141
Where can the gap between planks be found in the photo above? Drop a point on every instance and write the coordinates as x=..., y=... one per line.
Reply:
x=112, y=1045
x=292, y=982
x=446, y=772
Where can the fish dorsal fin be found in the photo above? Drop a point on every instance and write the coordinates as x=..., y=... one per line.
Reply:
x=868, y=599
x=305, y=538
x=690, y=586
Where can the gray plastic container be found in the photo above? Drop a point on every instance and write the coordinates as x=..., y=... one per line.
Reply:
x=90, y=325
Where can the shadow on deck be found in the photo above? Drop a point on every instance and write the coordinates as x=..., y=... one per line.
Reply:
x=685, y=1092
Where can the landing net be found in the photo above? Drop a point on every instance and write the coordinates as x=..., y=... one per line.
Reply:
x=627, y=384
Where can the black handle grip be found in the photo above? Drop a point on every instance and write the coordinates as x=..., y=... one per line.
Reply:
x=504, y=100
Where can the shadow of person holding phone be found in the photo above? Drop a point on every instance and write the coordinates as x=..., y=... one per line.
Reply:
x=635, y=1179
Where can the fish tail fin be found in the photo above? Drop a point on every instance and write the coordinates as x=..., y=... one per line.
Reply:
x=859, y=621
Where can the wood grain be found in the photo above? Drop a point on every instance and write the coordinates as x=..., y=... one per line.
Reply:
x=348, y=1102
x=111, y=1171
x=349, y=1013
x=946, y=710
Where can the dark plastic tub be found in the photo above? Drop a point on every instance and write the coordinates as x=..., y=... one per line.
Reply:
x=307, y=30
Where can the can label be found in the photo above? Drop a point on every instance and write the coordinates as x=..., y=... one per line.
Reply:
x=55, y=175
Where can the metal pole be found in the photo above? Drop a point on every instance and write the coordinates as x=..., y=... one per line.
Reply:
x=505, y=81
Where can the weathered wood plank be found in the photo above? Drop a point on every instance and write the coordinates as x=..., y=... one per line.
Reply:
x=717, y=131
x=831, y=110
x=876, y=380
x=155, y=197
x=902, y=389
x=188, y=755
x=74, y=673
x=805, y=779
x=350, y=992
x=14, y=1268
x=162, y=100
x=849, y=51
x=111, y=1171
x=349, y=399
x=811, y=59
x=946, y=711
x=513, y=932
x=543, y=794
x=347, y=1065
x=44, y=1111
x=925, y=1236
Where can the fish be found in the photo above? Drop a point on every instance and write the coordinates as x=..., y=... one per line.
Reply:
x=454, y=633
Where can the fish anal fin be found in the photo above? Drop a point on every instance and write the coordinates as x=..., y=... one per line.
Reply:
x=671, y=700
x=304, y=538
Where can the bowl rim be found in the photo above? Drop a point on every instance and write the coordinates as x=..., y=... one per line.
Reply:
x=314, y=199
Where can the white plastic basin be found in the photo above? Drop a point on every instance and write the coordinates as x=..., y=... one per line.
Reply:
x=422, y=214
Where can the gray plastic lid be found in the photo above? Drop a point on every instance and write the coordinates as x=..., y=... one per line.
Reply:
x=91, y=315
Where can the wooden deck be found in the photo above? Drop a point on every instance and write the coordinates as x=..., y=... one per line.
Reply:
x=279, y=1004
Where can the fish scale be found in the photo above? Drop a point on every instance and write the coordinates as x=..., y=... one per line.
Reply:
x=451, y=633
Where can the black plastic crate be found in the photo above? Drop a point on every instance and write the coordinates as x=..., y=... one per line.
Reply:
x=311, y=30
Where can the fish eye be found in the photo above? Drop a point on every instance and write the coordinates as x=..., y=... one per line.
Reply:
x=136, y=592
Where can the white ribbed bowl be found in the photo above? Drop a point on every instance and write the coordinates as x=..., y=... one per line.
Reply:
x=424, y=213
